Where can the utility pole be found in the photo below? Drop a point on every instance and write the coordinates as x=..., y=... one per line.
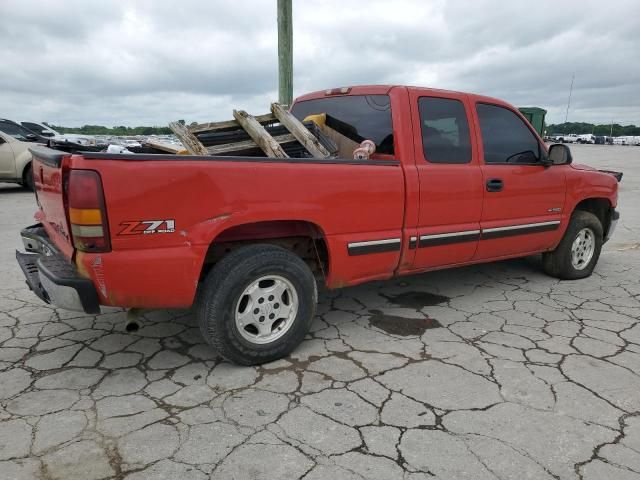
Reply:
x=568, y=103
x=285, y=53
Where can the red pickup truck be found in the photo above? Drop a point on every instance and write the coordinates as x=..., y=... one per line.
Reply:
x=456, y=179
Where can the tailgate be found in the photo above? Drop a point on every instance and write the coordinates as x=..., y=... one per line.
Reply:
x=48, y=174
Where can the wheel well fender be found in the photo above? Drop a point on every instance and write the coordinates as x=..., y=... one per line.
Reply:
x=600, y=207
x=305, y=239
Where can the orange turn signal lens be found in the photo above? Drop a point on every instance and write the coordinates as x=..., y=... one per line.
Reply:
x=85, y=216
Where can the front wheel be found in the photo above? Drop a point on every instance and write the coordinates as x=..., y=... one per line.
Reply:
x=577, y=253
x=257, y=304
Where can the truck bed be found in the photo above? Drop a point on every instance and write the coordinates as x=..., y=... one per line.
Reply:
x=211, y=199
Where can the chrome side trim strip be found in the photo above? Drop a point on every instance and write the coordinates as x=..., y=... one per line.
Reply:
x=374, y=242
x=512, y=230
x=523, y=226
x=374, y=246
x=448, y=235
x=438, y=239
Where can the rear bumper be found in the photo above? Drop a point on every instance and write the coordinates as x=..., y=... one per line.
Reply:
x=615, y=216
x=52, y=277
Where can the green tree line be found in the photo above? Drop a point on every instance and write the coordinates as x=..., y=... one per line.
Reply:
x=569, y=127
x=115, y=131
x=602, y=129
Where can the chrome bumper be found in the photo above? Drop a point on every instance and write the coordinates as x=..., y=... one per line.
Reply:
x=52, y=277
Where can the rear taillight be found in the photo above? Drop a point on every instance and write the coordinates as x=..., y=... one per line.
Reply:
x=87, y=214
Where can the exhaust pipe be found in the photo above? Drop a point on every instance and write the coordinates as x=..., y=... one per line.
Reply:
x=132, y=323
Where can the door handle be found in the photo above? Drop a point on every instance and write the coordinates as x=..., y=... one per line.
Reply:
x=494, y=185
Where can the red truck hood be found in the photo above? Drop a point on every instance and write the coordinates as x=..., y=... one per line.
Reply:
x=587, y=168
x=580, y=166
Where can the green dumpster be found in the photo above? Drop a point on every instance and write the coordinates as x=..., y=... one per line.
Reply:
x=535, y=115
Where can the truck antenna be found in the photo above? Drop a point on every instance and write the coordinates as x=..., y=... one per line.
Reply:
x=566, y=116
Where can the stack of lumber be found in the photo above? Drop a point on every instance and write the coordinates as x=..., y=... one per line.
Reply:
x=277, y=134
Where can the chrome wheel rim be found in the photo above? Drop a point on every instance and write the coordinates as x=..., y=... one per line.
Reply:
x=266, y=309
x=583, y=248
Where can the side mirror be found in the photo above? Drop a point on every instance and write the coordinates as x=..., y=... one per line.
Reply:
x=559, y=154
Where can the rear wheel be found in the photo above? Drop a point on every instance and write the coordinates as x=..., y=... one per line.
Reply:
x=578, y=251
x=257, y=304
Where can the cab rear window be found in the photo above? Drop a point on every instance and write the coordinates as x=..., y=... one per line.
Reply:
x=357, y=117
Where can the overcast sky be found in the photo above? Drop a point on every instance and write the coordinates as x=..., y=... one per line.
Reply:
x=147, y=62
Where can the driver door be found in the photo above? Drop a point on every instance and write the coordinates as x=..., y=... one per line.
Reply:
x=523, y=200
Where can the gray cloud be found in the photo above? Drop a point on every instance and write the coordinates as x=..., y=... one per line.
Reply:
x=152, y=61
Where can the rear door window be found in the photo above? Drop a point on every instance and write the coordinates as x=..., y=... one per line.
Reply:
x=506, y=138
x=357, y=117
x=445, y=130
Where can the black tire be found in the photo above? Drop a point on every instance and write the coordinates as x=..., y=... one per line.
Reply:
x=222, y=290
x=27, y=178
x=558, y=263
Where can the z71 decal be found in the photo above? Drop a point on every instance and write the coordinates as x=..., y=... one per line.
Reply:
x=144, y=227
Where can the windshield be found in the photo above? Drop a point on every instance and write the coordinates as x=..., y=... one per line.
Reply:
x=16, y=131
x=357, y=117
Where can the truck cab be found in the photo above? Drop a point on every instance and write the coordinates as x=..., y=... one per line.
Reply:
x=479, y=185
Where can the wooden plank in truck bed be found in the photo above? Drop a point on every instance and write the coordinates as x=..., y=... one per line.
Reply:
x=304, y=136
x=165, y=147
x=259, y=135
x=229, y=124
x=188, y=139
x=246, y=145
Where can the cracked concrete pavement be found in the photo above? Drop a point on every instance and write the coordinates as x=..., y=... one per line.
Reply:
x=487, y=372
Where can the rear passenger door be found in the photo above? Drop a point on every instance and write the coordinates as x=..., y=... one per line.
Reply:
x=448, y=226
x=523, y=199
